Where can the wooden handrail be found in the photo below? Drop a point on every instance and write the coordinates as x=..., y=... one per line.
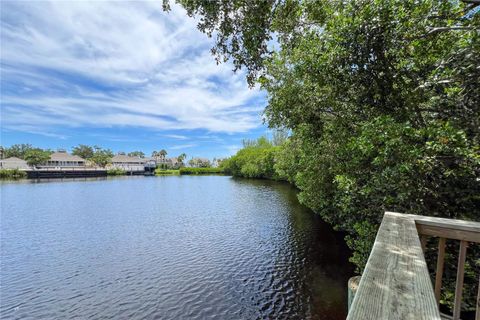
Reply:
x=396, y=283
x=465, y=231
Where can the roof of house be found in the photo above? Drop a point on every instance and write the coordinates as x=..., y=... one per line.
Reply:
x=119, y=158
x=13, y=159
x=63, y=156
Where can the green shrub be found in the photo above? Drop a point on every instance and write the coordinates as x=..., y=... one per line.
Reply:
x=201, y=171
x=12, y=174
x=116, y=172
x=160, y=171
x=255, y=160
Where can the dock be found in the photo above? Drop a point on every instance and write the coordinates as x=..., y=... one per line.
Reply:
x=66, y=173
x=396, y=283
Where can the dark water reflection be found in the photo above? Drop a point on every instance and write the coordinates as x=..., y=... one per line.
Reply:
x=185, y=247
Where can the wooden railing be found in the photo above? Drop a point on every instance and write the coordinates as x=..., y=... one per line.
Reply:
x=396, y=283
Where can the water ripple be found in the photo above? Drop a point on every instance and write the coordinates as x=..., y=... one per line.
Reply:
x=167, y=248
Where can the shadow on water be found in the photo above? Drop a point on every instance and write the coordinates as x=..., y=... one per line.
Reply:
x=324, y=270
x=190, y=247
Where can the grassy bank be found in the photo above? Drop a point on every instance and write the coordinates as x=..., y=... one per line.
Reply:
x=201, y=171
x=12, y=174
x=160, y=172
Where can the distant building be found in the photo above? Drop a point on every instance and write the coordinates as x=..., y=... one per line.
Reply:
x=217, y=162
x=63, y=159
x=174, y=162
x=168, y=162
x=128, y=163
x=199, y=163
x=14, y=163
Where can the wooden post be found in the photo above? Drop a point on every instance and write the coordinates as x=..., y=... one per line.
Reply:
x=439, y=273
x=353, y=283
x=459, y=286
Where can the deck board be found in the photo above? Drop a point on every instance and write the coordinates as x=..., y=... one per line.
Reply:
x=396, y=283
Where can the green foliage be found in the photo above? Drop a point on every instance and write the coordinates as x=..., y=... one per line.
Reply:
x=255, y=160
x=116, y=172
x=17, y=150
x=35, y=157
x=182, y=157
x=12, y=174
x=187, y=170
x=83, y=151
x=101, y=157
x=279, y=137
x=139, y=154
x=160, y=172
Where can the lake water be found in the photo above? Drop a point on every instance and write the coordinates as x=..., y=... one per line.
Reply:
x=178, y=247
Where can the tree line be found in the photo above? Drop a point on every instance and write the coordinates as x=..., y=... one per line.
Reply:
x=97, y=155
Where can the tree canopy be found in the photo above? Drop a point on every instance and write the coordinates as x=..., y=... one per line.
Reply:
x=83, y=151
x=139, y=154
x=36, y=156
x=101, y=157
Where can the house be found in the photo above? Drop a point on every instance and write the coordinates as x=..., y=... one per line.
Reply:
x=217, y=162
x=163, y=162
x=14, y=163
x=150, y=161
x=127, y=163
x=199, y=163
x=174, y=162
x=63, y=159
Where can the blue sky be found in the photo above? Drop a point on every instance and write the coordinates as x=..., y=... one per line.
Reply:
x=122, y=75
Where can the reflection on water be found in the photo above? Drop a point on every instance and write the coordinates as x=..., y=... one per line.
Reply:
x=176, y=247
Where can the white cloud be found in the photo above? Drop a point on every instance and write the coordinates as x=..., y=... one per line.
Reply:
x=176, y=136
x=182, y=146
x=108, y=64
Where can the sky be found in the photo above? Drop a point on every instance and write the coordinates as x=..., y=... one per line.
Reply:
x=122, y=75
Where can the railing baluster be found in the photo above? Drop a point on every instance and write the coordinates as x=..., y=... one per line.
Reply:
x=423, y=242
x=459, y=285
x=439, y=273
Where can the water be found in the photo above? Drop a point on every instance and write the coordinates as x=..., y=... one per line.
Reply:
x=208, y=247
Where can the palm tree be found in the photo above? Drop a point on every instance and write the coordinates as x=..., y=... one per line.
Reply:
x=182, y=157
x=154, y=154
x=163, y=153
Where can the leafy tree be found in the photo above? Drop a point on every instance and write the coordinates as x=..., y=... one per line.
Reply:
x=36, y=156
x=162, y=153
x=83, y=151
x=279, y=136
x=101, y=157
x=255, y=160
x=17, y=150
x=182, y=157
x=139, y=154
